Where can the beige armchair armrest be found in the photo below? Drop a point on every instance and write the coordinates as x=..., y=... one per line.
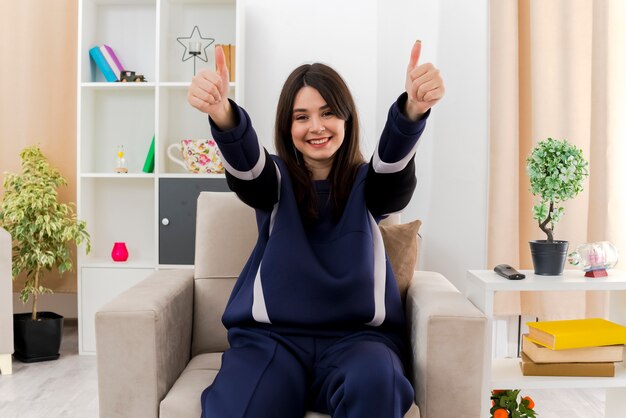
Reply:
x=448, y=343
x=143, y=343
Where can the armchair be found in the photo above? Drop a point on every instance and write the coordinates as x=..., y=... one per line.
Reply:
x=159, y=344
x=6, y=303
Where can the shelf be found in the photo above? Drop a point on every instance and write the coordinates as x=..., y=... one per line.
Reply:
x=117, y=86
x=570, y=280
x=177, y=121
x=122, y=2
x=119, y=211
x=191, y=176
x=204, y=2
x=118, y=176
x=129, y=27
x=186, y=84
x=112, y=116
x=214, y=19
x=481, y=287
x=506, y=374
x=108, y=263
x=176, y=84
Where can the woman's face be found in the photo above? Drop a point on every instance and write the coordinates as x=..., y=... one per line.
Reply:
x=316, y=131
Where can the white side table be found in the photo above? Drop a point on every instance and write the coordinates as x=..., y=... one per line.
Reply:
x=507, y=374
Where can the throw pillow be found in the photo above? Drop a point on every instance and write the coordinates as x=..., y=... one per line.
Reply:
x=402, y=246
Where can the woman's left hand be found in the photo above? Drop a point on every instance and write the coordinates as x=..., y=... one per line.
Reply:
x=424, y=85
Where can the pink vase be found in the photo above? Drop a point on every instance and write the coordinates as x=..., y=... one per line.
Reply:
x=119, y=252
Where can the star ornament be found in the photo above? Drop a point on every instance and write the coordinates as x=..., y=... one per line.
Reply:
x=195, y=37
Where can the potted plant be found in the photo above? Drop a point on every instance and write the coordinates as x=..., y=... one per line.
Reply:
x=557, y=170
x=504, y=404
x=42, y=230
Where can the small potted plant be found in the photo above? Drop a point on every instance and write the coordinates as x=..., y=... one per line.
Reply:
x=557, y=170
x=42, y=230
x=505, y=404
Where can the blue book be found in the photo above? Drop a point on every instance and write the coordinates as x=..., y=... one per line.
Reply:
x=102, y=64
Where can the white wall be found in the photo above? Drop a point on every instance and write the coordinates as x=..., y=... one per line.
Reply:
x=369, y=43
x=64, y=304
x=451, y=197
x=281, y=35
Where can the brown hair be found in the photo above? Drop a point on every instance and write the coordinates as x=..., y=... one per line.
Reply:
x=335, y=92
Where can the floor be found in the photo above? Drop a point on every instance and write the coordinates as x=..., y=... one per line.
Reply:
x=67, y=388
x=571, y=403
x=63, y=388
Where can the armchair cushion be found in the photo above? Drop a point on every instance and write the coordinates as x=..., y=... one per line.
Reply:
x=209, y=301
x=183, y=399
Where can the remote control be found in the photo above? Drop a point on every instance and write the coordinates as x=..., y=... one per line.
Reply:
x=508, y=272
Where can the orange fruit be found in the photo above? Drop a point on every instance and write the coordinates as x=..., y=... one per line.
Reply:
x=501, y=413
x=531, y=403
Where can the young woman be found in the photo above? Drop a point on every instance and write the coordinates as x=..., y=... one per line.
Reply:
x=315, y=321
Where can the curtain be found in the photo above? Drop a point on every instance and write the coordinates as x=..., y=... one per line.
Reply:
x=558, y=69
x=38, y=41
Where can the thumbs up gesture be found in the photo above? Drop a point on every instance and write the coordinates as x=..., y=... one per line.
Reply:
x=208, y=92
x=424, y=85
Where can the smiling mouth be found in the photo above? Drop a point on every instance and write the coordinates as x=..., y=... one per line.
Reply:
x=318, y=141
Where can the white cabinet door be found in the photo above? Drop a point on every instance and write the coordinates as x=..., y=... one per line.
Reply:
x=97, y=287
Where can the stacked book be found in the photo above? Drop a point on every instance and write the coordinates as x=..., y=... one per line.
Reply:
x=577, y=347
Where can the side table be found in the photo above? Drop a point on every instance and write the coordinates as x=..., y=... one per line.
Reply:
x=506, y=373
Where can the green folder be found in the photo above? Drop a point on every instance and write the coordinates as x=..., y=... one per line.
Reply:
x=148, y=166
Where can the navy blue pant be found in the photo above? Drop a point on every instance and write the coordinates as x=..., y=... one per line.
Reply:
x=265, y=374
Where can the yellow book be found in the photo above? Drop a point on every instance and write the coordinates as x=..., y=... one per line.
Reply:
x=576, y=333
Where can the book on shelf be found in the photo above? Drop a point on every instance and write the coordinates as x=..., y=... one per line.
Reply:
x=148, y=165
x=232, y=63
x=112, y=60
x=530, y=368
x=226, y=49
x=576, y=333
x=229, y=55
x=102, y=64
x=600, y=354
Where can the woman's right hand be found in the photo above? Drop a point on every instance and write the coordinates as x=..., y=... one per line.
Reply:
x=208, y=92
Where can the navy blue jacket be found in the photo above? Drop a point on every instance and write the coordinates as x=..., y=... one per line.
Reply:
x=329, y=277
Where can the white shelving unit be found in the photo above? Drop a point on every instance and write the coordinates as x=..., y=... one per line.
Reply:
x=125, y=207
x=506, y=373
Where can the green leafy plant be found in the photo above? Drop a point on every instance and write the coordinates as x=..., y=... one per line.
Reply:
x=557, y=170
x=41, y=227
x=505, y=404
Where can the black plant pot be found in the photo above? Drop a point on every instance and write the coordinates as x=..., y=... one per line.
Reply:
x=38, y=340
x=549, y=257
